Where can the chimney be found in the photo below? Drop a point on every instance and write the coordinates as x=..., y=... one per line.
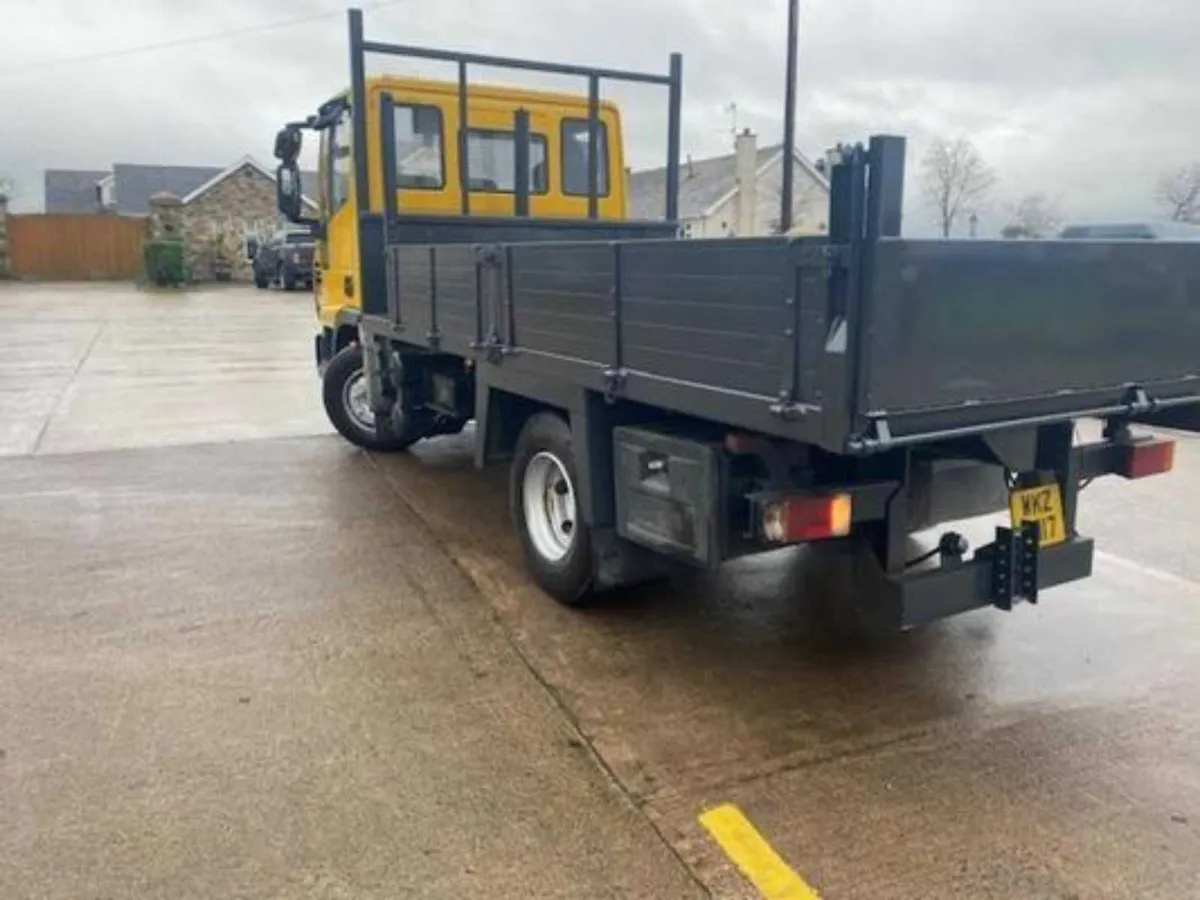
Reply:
x=746, y=153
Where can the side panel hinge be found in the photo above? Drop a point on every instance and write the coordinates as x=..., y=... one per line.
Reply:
x=822, y=257
x=614, y=382
x=494, y=348
x=788, y=409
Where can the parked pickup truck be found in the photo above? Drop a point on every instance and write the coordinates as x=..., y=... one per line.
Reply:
x=286, y=259
x=667, y=403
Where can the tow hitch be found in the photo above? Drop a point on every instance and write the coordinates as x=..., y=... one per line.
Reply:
x=1015, y=565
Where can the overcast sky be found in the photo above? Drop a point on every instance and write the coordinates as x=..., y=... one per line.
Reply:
x=1085, y=100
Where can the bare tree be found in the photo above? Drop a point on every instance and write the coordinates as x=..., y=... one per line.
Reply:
x=1034, y=216
x=956, y=180
x=1179, y=193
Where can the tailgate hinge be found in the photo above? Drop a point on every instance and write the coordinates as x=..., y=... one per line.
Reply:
x=875, y=437
x=1138, y=401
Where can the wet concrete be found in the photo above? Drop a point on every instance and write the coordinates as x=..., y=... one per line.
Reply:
x=245, y=670
x=281, y=668
x=101, y=366
x=1048, y=753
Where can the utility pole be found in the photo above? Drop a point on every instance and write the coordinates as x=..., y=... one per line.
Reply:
x=789, y=118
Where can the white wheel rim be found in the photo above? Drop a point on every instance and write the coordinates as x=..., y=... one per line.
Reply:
x=358, y=402
x=548, y=499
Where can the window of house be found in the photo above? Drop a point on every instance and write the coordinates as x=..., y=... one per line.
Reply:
x=492, y=157
x=418, y=134
x=575, y=158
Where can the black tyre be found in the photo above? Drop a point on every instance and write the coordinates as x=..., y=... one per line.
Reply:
x=260, y=282
x=344, y=390
x=543, y=496
x=289, y=280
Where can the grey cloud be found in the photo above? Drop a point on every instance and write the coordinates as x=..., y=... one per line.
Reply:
x=1084, y=100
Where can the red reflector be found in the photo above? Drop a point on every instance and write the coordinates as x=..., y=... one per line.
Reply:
x=791, y=520
x=1150, y=457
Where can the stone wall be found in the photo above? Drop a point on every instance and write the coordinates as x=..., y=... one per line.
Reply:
x=3, y=236
x=215, y=224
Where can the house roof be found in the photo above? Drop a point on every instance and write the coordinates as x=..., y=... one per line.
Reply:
x=704, y=184
x=136, y=184
x=307, y=179
x=74, y=190
x=71, y=190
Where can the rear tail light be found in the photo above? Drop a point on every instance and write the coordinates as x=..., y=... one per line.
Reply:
x=791, y=520
x=1142, y=459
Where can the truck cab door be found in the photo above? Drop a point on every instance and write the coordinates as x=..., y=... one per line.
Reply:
x=337, y=250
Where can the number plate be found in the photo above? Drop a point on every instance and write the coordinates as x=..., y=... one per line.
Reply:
x=1043, y=505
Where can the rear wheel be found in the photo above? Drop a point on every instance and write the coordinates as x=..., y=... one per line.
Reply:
x=544, y=500
x=289, y=280
x=260, y=282
x=347, y=403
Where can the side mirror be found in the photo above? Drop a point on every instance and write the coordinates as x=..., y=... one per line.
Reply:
x=288, y=142
x=287, y=191
x=251, y=248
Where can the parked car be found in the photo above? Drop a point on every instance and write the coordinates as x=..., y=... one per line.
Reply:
x=285, y=258
x=1132, y=231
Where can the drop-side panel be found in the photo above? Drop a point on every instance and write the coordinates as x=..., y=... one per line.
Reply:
x=456, y=300
x=562, y=299
x=709, y=312
x=410, y=295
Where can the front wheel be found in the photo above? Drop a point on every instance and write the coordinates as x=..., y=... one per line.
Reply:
x=544, y=500
x=344, y=390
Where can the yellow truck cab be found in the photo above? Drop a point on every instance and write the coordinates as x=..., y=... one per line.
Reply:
x=414, y=128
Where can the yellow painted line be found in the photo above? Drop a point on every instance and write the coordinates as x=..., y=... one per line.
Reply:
x=754, y=857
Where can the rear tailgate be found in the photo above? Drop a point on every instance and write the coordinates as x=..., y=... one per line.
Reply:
x=962, y=333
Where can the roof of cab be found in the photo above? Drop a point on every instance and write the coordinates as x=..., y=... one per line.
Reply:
x=485, y=91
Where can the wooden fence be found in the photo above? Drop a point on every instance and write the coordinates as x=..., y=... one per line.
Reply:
x=58, y=246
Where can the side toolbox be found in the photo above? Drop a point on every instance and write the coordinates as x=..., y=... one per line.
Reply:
x=668, y=493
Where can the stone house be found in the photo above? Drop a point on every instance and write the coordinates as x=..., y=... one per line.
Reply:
x=217, y=217
x=217, y=209
x=736, y=194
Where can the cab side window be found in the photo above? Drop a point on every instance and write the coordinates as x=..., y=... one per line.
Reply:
x=575, y=158
x=418, y=137
x=341, y=169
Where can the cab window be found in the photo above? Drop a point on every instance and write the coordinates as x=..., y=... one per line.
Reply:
x=575, y=158
x=492, y=156
x=341, y=181
x=418, y=137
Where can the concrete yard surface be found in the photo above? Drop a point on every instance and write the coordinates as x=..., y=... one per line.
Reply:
x=103, y=366
x=240, y=658
x=221, y=676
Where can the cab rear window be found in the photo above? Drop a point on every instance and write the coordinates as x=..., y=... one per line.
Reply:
x=575, y=158
x=492, y=155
